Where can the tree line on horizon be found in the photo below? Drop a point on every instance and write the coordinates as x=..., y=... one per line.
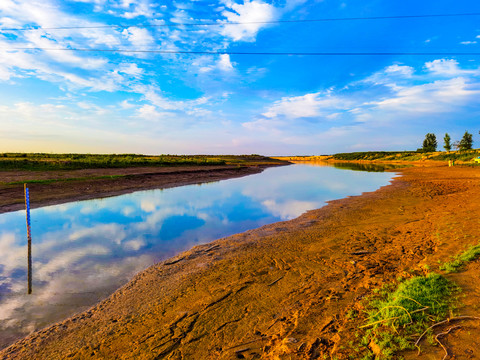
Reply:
x=430, y=143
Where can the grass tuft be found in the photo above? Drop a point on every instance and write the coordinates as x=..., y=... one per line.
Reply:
x=459, y=261
x=397, y=316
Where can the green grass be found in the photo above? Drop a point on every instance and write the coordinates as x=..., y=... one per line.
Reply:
x=45, y=162
x=397, y=316
x=459, y=261
x=466, y=155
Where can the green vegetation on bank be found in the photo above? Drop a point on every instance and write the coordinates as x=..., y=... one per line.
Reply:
x=43, y=162
x=464, y=152
x=378, y=155
x=398, y=315
x=459, y=261
x=466, y=155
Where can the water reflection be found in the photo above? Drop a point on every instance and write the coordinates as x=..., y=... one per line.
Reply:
x=83, y=251
x=369, y=167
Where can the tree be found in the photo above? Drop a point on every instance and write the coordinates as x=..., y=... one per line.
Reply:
x=430, y=143
x=466, y=142
x=447, y=145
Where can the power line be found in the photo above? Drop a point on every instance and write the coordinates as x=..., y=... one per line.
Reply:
x=244, y=23
x=253, y=53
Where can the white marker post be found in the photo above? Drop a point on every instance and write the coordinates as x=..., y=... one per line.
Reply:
x=29, y=237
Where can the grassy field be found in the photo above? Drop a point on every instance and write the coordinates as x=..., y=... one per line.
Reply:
x=43, y=162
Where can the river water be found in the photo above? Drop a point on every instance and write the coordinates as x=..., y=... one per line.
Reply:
x=82, y=251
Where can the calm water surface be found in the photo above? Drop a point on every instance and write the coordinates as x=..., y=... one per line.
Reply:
x=83, y=251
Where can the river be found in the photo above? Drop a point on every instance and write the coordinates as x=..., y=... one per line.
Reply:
x=83, y=251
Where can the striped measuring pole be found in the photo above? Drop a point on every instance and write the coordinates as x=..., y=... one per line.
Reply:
x=29, y=237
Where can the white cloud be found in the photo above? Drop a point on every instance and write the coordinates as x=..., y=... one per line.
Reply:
x=224, y=63
x=400, y=70
x=265, y=125
x=447, y=67
x=206, y=64
x=43, y=13
x=130, y=69
x=295, y=107
x=125, y=104
x=150, y=112
x=438, y=96
x=140, y=8
x=309, y=105
x=134, y=245
x=252, y=14
x=390, y=75
x=46, y=14
x=5, y=73
x=127, y=3
x=468, y=42
x=138, y=37
x=55, y=66
x=154, y=95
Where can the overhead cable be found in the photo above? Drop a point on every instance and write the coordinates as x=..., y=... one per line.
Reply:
x=222, y=23
x=251, y=53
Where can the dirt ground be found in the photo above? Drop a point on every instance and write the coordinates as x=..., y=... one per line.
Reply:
x=283, y=291
x=89, y=184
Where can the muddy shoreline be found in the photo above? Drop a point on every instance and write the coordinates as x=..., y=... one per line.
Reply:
x=284, y=291
x=68, y=186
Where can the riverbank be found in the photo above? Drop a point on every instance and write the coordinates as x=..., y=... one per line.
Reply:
x=458, y=156
x=287, y=290
x=57, y=187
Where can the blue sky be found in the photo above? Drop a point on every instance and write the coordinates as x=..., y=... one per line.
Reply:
x=152, y=103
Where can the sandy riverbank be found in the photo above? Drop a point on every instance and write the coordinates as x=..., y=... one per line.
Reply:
x=283, y=291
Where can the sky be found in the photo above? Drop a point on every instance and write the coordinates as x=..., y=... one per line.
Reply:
x=95, y=101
